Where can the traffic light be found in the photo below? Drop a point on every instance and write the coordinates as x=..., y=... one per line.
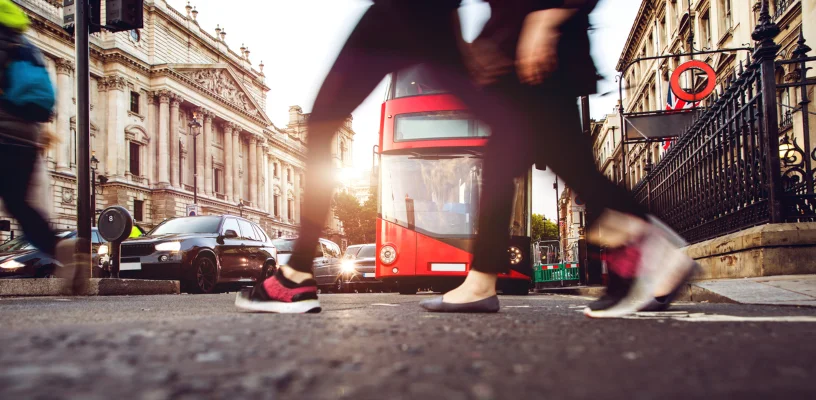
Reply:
x=124, y=15
x=69, y=16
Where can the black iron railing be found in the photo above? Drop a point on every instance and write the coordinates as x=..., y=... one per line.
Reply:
x=738, y=166
x=780, y=6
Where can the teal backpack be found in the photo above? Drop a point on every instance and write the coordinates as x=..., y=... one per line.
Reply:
x=27, y=91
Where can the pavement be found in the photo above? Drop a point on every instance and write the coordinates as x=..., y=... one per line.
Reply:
x=791, y=290
x=383, y=346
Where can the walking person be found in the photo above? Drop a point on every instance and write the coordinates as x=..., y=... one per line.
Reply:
x=534, y=57
x=394, y=34
x=26, y=101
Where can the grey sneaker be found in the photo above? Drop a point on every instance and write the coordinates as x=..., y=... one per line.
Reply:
x=658, y=262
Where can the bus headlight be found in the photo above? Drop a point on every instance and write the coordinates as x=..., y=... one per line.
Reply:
x=515, y=255
x=388, y=254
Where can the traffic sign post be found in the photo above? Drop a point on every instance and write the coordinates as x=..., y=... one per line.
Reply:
x=193, y=210
x=83, y=18
x=115, y=225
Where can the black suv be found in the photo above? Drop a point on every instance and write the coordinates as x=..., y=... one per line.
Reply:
x=201, y=252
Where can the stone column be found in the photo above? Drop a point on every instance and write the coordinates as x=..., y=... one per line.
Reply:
x=208, y=155
x=270, y=184
x=200, y=143
x=229, y=155
x=65, y=93
x=175, y=157
x=284, y=206
x=236, y=166
x=252, y=168
x=115, y=147
x=164, y=137
x=296, y=213
x=152, y=153
x=260, y=174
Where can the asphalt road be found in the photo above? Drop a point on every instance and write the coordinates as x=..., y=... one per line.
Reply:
x=382, y=346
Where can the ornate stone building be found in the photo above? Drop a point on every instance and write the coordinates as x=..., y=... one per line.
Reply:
x=663, y=28
x=147, y=87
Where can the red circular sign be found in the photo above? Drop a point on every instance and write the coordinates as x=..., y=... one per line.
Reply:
x=693, y=97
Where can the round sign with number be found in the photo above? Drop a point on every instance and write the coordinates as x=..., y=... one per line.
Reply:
x=115, y=224
x=681, y=93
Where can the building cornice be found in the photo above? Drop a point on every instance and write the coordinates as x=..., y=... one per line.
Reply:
x=638, y=28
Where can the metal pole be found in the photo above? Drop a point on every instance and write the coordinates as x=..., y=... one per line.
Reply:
x=195, y=166
x=558, y=217
x=93, y=196
x=83, y=130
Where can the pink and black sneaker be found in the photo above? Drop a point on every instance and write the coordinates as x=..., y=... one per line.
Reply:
x=277, y=294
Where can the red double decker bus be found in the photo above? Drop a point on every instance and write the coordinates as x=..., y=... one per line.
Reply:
x=429, y=179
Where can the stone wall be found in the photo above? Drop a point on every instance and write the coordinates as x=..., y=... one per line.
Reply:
x=773, y=249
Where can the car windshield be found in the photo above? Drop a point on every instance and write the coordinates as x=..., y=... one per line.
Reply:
x=284, y=245
x=188, y=225
x=20, y=243
x=351, y=251
x=437, y=193
x=14, y=245
x=367, y=251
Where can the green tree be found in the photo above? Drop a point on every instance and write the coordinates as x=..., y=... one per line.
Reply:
x=359, y=220
x=543, y=229
x=347, y=209
x=368, y=218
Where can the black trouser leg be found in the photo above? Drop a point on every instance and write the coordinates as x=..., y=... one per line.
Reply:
x=17, y=164
x=356, y=72
x=543, y=128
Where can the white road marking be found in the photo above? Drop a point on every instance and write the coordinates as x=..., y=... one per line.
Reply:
x=516, y=306
x=385, y=305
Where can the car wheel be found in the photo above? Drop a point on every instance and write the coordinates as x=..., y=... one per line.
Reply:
x=206, y=274
x=48, y=272
x=268, y=270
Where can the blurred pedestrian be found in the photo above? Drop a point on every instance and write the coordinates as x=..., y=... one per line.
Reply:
x=529, y=100
x=392, y=35
x=26, y=101
x=534, y=57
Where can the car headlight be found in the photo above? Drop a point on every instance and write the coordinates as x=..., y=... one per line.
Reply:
x=11, y=264
x=388, y=254
x=515, y=255
x=168, y=246
x=103, y=249
x=347, y=266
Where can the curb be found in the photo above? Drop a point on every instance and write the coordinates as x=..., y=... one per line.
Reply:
x=691, y=293
x=96, y=287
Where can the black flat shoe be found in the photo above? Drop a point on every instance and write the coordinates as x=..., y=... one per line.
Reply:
x=488, y=305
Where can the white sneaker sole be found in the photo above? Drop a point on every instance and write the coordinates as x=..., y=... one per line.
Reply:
x=661, y=261
x=300, y=307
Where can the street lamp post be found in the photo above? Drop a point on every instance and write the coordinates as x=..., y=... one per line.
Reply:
x=194, y=132
x=94, y=165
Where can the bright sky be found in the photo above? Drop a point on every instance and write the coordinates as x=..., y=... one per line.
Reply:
x=298, y=40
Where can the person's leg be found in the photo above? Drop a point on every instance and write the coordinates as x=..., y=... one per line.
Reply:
x=19, y=162
x=361, y=65
x=355, y=74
